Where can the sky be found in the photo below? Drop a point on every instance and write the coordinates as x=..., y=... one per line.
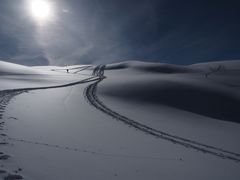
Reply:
x=108, y=31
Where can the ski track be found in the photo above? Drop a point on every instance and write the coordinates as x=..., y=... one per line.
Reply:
x=5, y=98
x=7, y=95
x=91, y=96
x=96, y=153
x=84, y=68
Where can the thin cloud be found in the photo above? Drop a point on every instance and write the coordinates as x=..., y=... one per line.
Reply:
x=110, y=31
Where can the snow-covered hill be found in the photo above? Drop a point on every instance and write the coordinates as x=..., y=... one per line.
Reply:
x=209, y=89
x=130, y=120
x=15, y=76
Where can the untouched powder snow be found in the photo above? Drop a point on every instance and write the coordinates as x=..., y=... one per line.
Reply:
x=15, y=69
x=130, y=120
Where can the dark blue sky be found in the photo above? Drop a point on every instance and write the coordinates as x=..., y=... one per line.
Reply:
x=104, y=31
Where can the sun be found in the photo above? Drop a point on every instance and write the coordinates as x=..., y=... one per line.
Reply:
x=41, y=10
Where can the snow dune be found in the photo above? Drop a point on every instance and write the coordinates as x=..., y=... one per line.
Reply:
x=15, y=69
x=132, y=120
x=182, y=87
x=15, y=76
x=149, y=67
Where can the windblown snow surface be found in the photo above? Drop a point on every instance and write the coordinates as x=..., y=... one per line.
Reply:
x=130, y=120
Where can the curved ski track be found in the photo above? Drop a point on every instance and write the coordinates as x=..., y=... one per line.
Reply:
x=91, y=96
x=7, y=95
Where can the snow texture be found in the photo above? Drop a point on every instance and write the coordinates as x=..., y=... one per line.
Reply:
x=130, y=120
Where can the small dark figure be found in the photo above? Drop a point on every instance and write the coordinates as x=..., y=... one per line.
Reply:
x=67, y=70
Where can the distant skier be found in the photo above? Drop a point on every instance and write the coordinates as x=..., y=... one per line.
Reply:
x=67, y=70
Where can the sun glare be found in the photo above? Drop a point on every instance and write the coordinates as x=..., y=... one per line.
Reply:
x=41, y=10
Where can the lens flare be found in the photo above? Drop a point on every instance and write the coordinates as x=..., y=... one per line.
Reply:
x=40, y=9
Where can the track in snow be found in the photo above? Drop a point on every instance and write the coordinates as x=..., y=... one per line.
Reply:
x=7, y=95
x=91, y=96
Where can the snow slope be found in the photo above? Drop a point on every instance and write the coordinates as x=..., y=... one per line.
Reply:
x=15, y=76
x=188, y=88
x=128, y=120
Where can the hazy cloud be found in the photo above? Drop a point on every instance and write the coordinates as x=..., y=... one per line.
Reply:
x=84, y=31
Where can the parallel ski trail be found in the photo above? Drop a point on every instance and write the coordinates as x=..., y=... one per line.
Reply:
x=91, y=96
